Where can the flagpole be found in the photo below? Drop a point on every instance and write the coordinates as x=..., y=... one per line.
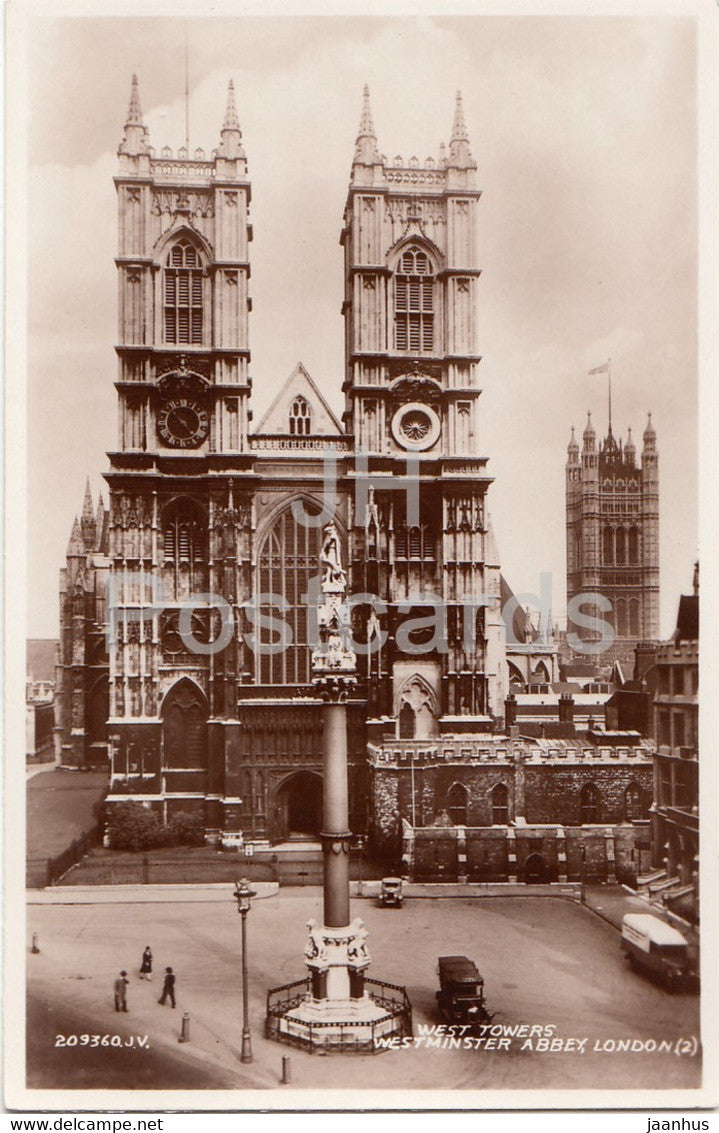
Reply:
x=609, y=376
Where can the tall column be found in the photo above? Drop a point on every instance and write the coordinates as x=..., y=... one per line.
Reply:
x=335, y=832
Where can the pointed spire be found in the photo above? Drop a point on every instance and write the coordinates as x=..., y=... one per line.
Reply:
x=650, y=436
x=88, y=510
x=76, y=545
x=459, y=126
x=134, y=114
x=231, y=134
x=366, y=144
x=87, y=522
x=100, y=522
x=231, y=122
x=135, y=140
x=589, y=435
x=460, y=155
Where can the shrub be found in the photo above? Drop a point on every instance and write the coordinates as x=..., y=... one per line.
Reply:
x=186, y=830
x=132, y=826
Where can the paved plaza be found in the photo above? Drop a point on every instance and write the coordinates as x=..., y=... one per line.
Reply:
x=547, y=962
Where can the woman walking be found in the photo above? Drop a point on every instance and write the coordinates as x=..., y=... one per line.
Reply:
x=146, y=964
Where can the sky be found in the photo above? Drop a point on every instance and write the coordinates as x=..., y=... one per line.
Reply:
x=584, y=132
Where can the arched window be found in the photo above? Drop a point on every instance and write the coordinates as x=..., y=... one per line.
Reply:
x=184, y=545
x=634, y=617
x=608, y=545
x=414, y=302
x=621, y=546
x=288, y=561
x=183, y=294
x=588, y=804
x=633, y=802
x=633, y=544
x=457, y=804
x=407, y=721
x=620, y=617
x=300, y=418
x=500, y=805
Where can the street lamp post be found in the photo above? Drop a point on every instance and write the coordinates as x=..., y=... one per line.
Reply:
x=243, y=896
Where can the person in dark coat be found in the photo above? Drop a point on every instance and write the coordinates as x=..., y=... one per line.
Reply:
x=146, y=964
x=120, y=992
x=168, y=988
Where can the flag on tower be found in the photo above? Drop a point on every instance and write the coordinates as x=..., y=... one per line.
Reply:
x=604, y=369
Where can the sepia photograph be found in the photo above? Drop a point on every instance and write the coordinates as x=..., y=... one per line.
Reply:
x=357, y=451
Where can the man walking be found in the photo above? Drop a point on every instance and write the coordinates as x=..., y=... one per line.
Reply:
x=120, y=992
x=168, y=988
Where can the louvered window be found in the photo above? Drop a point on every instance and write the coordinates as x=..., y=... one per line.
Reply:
x=183, y=295
x=184, y=543
x=414, y=303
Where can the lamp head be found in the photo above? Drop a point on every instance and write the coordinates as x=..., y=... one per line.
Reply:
x=243, y=895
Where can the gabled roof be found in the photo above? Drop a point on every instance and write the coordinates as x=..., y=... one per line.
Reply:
x=299, y=384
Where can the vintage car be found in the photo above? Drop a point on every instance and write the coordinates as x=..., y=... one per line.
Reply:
x=657, y=947
x=461, y=992
x=391, y=892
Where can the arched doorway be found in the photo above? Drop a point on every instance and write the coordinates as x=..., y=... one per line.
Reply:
x=184, y=727
x=535, y=870
x=299, y=807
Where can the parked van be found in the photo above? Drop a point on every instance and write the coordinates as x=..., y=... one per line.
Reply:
x=652, y=944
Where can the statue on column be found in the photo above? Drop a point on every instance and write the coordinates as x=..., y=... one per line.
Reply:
x=334, y=576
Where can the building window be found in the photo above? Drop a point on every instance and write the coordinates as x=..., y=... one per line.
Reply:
x=414, y=302
x=608, y=545
x=288, y=563
x=500, y=805
x=184, y=545
x=632, y=802
x=588, y=804
x=633, y=545
x=457, y=804
x=300, y=418
x=183, y=295
x=621, y=546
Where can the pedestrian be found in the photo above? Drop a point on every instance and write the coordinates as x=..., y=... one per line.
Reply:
x=168, y=988
x=120, y=992
x=146, y=964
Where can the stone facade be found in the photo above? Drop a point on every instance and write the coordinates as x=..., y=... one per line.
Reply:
x=209, y=554
x=613, y=539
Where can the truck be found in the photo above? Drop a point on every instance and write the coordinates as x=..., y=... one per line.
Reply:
x=657, y=947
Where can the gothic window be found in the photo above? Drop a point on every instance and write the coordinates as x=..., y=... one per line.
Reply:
x=608, y=545
x=634, y=617
x=633, y=545
x=288, y=562
x=414, y=302
x=621, y=545
x=184, y=546
x=500, y=805
x=407, y=722
x=633, y=802
x=300, y=418
x=620, y=617
x=457, y=804
x=588, y=804
x=183, y=299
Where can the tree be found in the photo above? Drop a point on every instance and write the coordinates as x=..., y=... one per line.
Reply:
x=133, y=827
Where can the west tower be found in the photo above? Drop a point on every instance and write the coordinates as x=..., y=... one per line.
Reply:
x=411, y=404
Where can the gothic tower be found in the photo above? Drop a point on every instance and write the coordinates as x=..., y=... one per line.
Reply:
x=613, y=538
x=179, y=525
x=422, y=544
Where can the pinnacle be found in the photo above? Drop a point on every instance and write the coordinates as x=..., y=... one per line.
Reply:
x=459, y=126
x=134, y=114
x=366, y=144
x=88, y=511
x=76, y=544
x=231, y=121
x=366, y=127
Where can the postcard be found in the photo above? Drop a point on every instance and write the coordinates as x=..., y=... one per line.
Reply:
x=359, y=426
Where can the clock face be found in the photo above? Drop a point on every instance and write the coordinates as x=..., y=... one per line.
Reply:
x=183, y=423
